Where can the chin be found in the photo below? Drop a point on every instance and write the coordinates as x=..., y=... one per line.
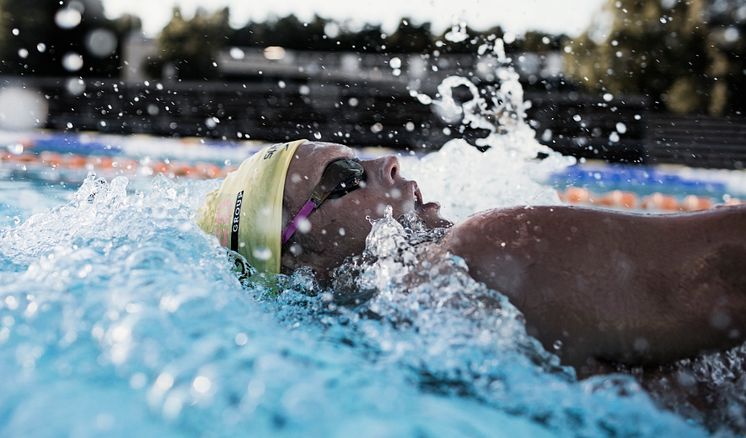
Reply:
x=429, y=213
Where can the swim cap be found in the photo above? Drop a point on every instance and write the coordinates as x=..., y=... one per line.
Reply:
x=245, y=213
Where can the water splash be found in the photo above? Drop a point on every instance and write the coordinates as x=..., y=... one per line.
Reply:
x=425, y=313
x=118, y=313
x=509, y=172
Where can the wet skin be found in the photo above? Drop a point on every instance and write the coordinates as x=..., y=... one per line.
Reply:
x=339, y=227
x=611, y=287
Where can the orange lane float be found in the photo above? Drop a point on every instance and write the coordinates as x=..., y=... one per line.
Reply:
x=694, y=203
x=659, y=201
x=52, y=159
x=576, y=195
x=102, y=162
x=628, y=200
x=182, y=169
x=618, y=199
x=74, y=161
x=161, y=167
x=206, y=171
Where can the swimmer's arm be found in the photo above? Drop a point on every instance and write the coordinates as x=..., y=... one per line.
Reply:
x=628, y=288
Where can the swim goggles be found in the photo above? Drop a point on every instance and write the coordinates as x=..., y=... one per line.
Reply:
x=340, y=177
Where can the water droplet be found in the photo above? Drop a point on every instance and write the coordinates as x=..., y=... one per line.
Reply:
x=457, y=33
x=212, y=122
x=202, y=384
x=241, y=339
x=72, y=61
x=509, y=37
x=331, y=30
x=164, y=382
x=237, y=53
x=67, y=18
x=304, y=226
x=262, y=253
x=101, y=42
x=11, y=302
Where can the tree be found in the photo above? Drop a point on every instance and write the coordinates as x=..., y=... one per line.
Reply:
x=191, y=46
x=665, y=50
x=370, y=38
x=410, y=38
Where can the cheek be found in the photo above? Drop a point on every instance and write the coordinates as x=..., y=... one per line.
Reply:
x=373, y=205
x=341, y=221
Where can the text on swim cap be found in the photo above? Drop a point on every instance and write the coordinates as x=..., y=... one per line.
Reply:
x=236, y=219
x=272, y=149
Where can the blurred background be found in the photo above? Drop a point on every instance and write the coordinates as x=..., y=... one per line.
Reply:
x=657, y=81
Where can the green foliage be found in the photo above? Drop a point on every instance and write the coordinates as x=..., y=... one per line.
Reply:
x=667, y=50
x=190, y=46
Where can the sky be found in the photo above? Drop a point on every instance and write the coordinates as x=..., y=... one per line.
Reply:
x=517, y=16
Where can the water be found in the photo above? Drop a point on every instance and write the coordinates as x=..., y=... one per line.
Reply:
x=118, y=316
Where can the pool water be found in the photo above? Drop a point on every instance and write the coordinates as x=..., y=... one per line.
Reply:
x=120, y=317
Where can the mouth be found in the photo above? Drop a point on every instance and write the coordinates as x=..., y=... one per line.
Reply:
x=417, y=195
x=419, y=203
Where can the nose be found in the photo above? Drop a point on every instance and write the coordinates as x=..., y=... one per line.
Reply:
x=389, y=168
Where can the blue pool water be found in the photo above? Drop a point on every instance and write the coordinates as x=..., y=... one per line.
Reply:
x=119, y=317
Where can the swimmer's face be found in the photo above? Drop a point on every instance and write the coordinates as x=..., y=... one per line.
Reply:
x=339, y=226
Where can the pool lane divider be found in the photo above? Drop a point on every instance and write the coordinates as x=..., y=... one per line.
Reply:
x=118, y=165
x=624, y=200
x=616, y=199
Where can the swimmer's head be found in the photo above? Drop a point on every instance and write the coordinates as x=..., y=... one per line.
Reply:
x=253, y=207
x=339, y=226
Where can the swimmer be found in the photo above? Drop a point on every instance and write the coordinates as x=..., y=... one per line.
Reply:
x=612, y=287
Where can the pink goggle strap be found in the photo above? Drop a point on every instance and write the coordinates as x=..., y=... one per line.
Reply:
x=292, y=227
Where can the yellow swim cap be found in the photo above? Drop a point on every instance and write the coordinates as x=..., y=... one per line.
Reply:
x=245, y=213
